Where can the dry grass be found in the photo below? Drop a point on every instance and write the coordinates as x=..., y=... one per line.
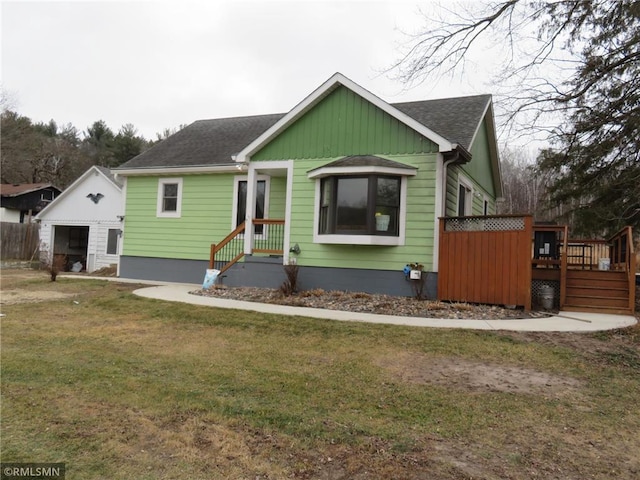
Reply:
x=118, y=386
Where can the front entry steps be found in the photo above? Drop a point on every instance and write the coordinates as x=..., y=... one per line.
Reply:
x=597, y=291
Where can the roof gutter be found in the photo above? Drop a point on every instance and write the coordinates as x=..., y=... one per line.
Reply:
x=188, y=170
x=458, y=156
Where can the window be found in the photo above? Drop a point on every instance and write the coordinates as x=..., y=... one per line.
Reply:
x=169, y=197
x=465, y=197
x=46, y=195
x=485, y=207
x=240, y=210
x=112, y=241
x=360, y=205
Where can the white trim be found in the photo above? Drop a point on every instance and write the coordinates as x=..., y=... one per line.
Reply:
x=122, y=223
x=359, y=240
x=286, y=242
x=73, y=186
x=363, y=239
x=236, y=168
x=464, y=181
x=321, y=92
x=171, y=214
x=245, y=178
x=250, y=207
x=439, y=208
x=106, y=244
x=486, y=202
x=329, y=171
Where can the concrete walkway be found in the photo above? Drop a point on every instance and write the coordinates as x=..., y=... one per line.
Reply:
x=563, y=322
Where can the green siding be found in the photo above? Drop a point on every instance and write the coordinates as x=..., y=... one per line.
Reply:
x=477, y=206
x=479, y=171
x=480, y=168
x=278, y=197
x=419, y=231
x=343, y=124
x=206, y=217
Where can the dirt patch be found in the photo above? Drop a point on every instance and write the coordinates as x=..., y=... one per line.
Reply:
x=476, y=376
x=12, y=297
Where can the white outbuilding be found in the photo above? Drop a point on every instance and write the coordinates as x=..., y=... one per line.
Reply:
x=81, y=229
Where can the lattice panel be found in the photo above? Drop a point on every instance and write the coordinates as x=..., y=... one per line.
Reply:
x=483, y=224
x=536, y=286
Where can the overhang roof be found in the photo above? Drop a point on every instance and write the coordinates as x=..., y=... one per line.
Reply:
x=365, y=161
x=362, y=165
x=13, y=190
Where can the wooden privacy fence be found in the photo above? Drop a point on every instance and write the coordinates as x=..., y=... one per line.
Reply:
x=486, y=260
x=19, y=241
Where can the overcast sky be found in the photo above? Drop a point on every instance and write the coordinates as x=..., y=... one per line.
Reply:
x=161, y=64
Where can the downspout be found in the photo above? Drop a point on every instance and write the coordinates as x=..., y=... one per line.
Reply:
x=457, y=156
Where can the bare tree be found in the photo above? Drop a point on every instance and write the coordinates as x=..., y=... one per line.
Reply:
x=570, y=70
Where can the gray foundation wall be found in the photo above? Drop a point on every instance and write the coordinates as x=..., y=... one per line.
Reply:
x=266, y=272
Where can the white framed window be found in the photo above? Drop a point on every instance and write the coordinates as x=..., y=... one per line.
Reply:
x=465, y=196
x=169, y=197
x=485, y=206
x=360, y=205
x=361, y=200
x=112, y=241
x=361, y=210
x=239, y=212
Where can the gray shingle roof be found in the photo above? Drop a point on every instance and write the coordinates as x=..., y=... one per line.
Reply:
x=213, y=142
x=456, y=119
x=365, y=161
x=109, y=175
x=205, y=142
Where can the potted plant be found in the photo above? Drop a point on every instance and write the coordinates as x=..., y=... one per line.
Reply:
x=382, y=222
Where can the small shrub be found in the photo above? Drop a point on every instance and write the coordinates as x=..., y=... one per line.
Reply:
x=51, y=263
x=290, y=285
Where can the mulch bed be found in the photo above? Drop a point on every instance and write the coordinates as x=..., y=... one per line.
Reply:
x=369, y=303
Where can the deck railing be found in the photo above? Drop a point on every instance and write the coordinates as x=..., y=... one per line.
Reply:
x=228, y=251
x=268, y=237
x=623, y=258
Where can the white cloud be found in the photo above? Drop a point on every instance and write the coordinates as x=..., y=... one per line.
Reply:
x=158, y=65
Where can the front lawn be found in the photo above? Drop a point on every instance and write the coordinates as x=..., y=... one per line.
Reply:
x=118, y=386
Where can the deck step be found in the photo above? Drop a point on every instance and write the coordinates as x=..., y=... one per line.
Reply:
x=597, y=279
x=597, y=274
x=598, y=291
x=597, y=301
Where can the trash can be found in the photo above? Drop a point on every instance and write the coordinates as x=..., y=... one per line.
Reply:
x=546, y=296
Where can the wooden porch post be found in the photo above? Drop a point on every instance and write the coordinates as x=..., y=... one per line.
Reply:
x=563, y=267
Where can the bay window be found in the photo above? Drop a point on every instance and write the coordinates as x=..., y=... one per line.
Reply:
x=360, y=205
x=361, y=200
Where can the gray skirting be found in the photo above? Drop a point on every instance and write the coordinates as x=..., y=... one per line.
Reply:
x=267, y=272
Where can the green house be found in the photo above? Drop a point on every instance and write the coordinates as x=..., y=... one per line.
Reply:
x=345, y=185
